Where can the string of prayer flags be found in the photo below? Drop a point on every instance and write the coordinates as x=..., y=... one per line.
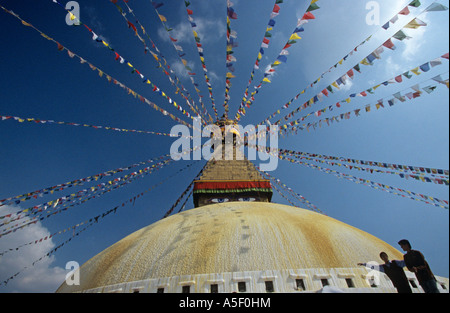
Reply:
x=110, y=78
x=405, y=11
x=180, y=52
x=61, y=204
x=183, y=194
x=345, y=116
x=72, y=228
x=230, y=59
x=158, y=57
x=416, y=170
x=415, y=23
x=202, y=56
x=400, y=35
x=435, y=7
x=264, y=45
x=91, y=222
x=282, y=57
x=81, y=181
x=48, y=122
x=291, y=191
x=390, y=189
x=393, y=190
x=285, y=197
x=122, y=60
x=317, y=98
x=48, y=209
x=5, y=282
x=376, y=54
x=420, y=177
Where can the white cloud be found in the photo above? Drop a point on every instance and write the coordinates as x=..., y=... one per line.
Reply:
x=392, y=68
x=213, y=76
x=180, y=70
x=40, y=277
x=348, y=85
x=413, y=45
x=207, y=30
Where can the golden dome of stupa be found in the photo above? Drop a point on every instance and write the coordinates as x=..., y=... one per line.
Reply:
x=204, y=243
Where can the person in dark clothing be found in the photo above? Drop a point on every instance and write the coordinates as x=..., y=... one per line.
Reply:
x=394, y=270
x=415, y=262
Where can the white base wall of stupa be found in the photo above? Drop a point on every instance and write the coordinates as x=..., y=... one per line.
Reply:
x=339, y=280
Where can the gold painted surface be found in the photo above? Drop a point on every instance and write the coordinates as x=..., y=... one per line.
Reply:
x=232, y=237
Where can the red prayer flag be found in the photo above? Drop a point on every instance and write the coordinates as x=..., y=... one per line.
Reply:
x=132, y=26
x=405, y=11
x=398, y=79
x=350, y=73
x=388, y=44
x=308, y=16
x=276, y=8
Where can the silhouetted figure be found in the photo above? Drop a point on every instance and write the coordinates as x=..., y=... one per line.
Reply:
x=394, y=270
x=415, y=262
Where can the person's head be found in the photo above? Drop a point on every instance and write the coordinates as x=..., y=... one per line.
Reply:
x=384, y=256
x=405, y=245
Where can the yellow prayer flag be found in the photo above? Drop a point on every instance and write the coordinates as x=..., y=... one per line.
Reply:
x=416, y=23
x=162, y=18
x=365, y=62
x=294, y=36
x=416, y=71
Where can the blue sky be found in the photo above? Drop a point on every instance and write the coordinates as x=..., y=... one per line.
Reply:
x=39, y=81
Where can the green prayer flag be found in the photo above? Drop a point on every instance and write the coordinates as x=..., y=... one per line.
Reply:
x=415, y=3
x=407, y=75
x=400, y=35
x=312, y=7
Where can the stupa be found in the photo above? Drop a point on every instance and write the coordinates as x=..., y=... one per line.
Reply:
x=236, y=240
